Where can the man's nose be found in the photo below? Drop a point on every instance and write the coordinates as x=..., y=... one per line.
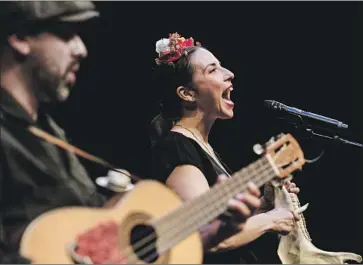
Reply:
x=78, y=47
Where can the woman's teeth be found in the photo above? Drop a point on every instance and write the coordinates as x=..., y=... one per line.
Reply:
x=226, y=93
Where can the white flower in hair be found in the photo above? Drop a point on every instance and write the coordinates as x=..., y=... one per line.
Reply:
x=162, y=46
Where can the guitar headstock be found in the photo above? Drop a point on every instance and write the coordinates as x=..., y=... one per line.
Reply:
x=284, y=154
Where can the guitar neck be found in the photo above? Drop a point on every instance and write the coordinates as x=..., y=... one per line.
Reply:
x=188, y=218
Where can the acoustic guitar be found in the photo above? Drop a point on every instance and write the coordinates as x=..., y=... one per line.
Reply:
x=150, y=224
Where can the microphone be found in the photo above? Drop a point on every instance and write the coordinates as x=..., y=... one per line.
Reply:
x=282, y=107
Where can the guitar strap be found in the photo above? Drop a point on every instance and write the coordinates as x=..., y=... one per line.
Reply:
x=75, y=150
x=216, y=165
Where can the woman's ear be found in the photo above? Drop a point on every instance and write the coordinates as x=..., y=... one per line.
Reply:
x=21, y=46
x=186, y=94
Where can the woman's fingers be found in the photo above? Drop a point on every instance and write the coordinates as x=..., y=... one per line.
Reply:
x=243, y=204
x=253, y=189
x=249, y=199
x=291, y=187
x=239, y=207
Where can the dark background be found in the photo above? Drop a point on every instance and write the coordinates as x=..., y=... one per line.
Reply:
x=304, y=54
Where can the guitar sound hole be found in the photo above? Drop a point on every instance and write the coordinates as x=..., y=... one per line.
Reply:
x=143, y=241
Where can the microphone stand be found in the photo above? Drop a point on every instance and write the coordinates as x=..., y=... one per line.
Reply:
x=336, y=138
x=309, y=131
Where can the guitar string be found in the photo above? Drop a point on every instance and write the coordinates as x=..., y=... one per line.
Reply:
x=220, y=205
x=258, y=183
x=128, y=252
x=174, y=240
x=177, y=238
x=150, y=237
x=196, y=139
x=153, y=235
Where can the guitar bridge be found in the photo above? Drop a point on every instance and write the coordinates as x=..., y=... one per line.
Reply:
x=78, y=259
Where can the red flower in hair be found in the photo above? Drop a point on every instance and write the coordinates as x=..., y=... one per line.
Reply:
x=171, y=49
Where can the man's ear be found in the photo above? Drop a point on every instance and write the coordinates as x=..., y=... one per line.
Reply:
x=186, y=94
x=20, y=45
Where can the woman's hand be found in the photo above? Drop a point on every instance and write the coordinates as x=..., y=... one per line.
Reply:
x=238, y=229
x=239, y=209
x=282, y=220
x=268, y=199
x=243, y=205
x=291, y=187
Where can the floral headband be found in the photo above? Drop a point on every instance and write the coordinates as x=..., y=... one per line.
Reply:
x=171, y=49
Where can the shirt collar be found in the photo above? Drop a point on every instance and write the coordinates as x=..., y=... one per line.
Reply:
x=11, y=107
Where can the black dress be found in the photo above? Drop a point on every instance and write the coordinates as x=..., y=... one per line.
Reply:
x=175, y=150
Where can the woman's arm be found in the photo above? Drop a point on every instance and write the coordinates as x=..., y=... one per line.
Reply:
x=267, y=219
x=189, y=182
x=281, y=221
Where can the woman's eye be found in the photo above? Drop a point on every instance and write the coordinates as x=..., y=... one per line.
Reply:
x=212, y=70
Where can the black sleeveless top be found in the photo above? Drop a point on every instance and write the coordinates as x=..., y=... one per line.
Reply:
x=176, y=150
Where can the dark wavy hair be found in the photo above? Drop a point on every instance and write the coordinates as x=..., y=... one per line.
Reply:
x=167, y=78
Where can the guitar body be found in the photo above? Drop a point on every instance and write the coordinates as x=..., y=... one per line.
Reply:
x=45, y=240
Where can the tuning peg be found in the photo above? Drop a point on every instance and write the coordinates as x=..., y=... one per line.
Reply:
x=299, y=167
x=258, y=149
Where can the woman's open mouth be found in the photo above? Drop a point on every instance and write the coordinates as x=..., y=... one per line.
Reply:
x=226, y=95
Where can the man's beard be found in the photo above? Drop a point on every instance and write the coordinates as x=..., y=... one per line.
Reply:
x=46, y=79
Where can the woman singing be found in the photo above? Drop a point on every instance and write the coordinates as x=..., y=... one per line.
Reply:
x=195, y=91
